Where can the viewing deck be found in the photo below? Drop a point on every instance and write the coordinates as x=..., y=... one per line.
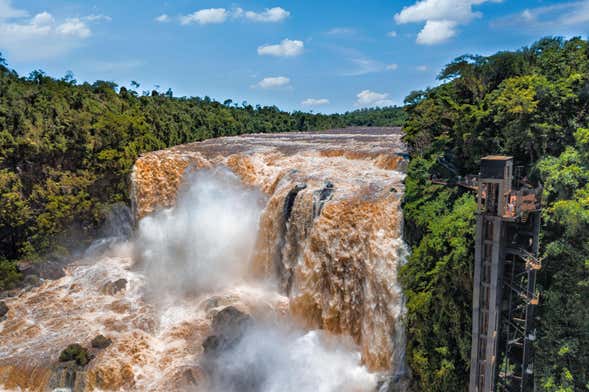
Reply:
x=516, y=203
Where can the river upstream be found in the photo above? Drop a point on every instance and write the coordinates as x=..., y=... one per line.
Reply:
x=258, y=263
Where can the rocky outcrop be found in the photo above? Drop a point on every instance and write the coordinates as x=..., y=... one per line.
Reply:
x=100, y=342
x=228, y=327
x=45, y=270
x=3, y=310
x=114, y=287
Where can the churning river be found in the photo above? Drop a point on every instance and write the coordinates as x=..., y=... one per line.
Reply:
x=257, y=263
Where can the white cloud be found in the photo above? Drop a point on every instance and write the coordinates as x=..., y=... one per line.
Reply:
x=367, y=98
x=392, y=34
x=286, y=48
x=392, y=67
x=206, y=16
x=163, y=18
x=527, y=15
x=421, y=68
x=40, y=36
x=436, y=31
x=220, y=15
x=274, y=82
x=440, y=16
x=8, y=12
x=276, y=14
x=315, y=102
x=74, y=27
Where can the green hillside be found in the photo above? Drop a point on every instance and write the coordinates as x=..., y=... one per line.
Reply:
x=532, y=104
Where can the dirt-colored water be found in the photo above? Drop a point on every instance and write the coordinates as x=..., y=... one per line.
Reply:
x=325, y=257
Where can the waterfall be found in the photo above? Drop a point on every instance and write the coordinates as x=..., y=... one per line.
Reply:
x=259, y=263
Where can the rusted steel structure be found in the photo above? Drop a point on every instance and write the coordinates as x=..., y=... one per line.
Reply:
x=504, y=295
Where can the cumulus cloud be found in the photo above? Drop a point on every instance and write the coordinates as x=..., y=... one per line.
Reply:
x=421, y=68
x=392, y=67
x=392, y=34
x=40, y=36
x=276, y=14
x=315, y=102
x=273, y=82
x=163, y=18
x=436, y=31
x=286, y=48
x=441, y=17
x=206, y=16
x=368, y=98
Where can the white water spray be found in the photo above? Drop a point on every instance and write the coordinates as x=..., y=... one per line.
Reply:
x=205, y=241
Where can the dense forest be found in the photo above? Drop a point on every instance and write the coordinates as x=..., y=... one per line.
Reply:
x=67, y=148
x=532, y=104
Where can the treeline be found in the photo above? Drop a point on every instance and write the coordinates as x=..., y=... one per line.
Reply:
x=532, y=104
x=66, y=151
x=375, y=117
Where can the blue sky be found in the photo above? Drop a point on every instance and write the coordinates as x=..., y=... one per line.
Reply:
x=324, y=56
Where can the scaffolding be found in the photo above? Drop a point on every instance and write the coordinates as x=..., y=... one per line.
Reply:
x=504, y=293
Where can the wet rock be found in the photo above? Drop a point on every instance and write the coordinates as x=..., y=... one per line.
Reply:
x=322, y=196
x=49, y=269
x=290, y=199
x=32, y=280
x=3, y=310
x=100, y=342
x=212, y=302
x=189, y=378
x=229, y=326
x=76, y=353
x=114, y=287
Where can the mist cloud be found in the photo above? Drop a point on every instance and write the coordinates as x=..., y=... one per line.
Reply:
x=205, y=241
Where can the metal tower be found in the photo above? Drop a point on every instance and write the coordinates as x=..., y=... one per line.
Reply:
x=504, y=294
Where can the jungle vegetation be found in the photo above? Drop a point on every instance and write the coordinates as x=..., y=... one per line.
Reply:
x=532, y=104
x=67, y=149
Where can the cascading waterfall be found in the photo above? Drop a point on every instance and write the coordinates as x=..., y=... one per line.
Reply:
x=260, y=263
